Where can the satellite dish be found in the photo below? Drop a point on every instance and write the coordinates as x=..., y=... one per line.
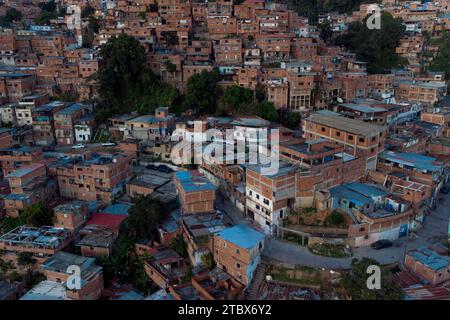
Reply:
x=340, y=100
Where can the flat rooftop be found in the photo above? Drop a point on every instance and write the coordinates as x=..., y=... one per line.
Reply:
x=242, y=236
x=193, y=183
x=356, y=127
x=46, y=237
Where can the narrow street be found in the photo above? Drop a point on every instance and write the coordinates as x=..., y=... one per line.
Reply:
x=434, y=230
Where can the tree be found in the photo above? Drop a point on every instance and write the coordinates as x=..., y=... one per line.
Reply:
x=237, y=99
x=37, y=215
x=87, y=11
x=334, y=219
x=49, y=6
x=376, y=47
x=325, y=31
x=170, y=38
x=25, y=259
x=122, y=74
x=11, y=15
x=202, y=92
x=143, y=218
x=442, y=60
x=48, y=12
x=208, y=260
x=355, y=282
x=267, y=111
x=290, y=119
x=179, y=246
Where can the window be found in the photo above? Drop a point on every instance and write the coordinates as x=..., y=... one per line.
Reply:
x=238, y=251
x=350, y=137
x=238, y=265
x=361, y=140
x=257, y=196
x=322, y=129
x=266, y=201
x=338, y=133
x=250, y=192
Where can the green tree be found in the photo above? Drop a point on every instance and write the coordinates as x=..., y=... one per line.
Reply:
x=208, y=260
x=334, y=219
x=179, y=246
x=25, y=259
x=48, y=12
x=49, y=6
x=290, y=119
x=11, y=15
x=236, y=99
x=442, y=60
x=170, y=38
x=87, y=11
x=355, y=282
x=326, y=32
x=121, y=75
x=143, y=218
x=202, y=92
x=267, y=110
x=37, y=215
x=376, y=47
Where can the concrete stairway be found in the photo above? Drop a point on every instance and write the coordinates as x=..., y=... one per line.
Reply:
x=258, y=278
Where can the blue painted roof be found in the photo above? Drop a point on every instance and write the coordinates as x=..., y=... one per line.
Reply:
x=416, y=160
x=118, y=208
x=356, y=197
x=430, y=258
x=21, y=172
x=365, y=189
x=191, y=183
x=242, y=236
x=70, y=109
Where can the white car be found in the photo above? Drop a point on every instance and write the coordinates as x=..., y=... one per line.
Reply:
x=78, y=146
x=109, y=144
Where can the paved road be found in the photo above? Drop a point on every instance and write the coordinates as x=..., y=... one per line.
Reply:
x=434, y=230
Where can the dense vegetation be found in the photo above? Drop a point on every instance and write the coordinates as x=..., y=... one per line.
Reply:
x=35, y=215
x=312, y=8
x=140, y=226
x=355, y=282
x=11, y=15
x=376, y=47
x=48, y=12
x=442, y=60
x=126, y=85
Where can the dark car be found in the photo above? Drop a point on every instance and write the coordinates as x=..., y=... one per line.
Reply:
x=381, y=244
x=164, y=168
x=151, y=167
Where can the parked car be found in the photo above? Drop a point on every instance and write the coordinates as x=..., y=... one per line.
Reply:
x=78, y=146
x=151, y=167
x=164, y=168
x=109, y=144
x=381, y=244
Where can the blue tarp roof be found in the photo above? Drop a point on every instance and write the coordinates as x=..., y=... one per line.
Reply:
x=197, y=183
x=430, y=258
x=242, y=236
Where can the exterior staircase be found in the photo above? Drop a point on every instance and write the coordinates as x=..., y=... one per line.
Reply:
x=258, y=278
